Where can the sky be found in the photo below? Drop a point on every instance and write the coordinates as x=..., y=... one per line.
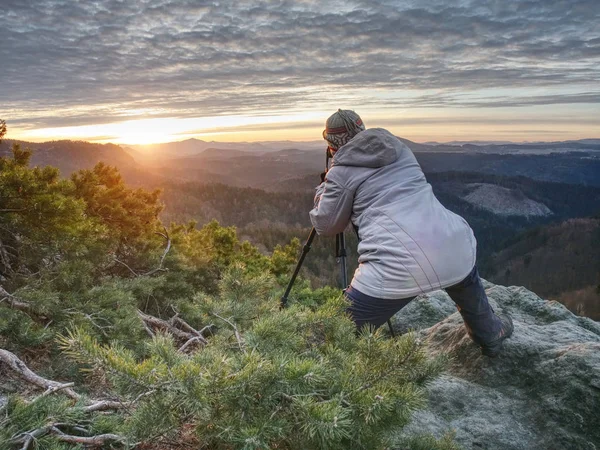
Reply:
x=148, y=71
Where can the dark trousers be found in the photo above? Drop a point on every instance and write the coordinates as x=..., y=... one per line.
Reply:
x=471, y=301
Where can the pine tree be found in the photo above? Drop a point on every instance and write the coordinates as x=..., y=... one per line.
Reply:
x=2, y=129
x=264, y=378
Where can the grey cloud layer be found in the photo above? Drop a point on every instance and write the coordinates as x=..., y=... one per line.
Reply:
x=196, y=57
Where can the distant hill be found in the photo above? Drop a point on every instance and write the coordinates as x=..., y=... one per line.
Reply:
x=192, y=147
x=272, y=170
x=216, y=153
x=570, y=167
x=242, y=169
x=70, y=156
x=182, y=149
x=271, y=165
x=504, y=147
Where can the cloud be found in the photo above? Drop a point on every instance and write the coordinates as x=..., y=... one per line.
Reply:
x=108, y=60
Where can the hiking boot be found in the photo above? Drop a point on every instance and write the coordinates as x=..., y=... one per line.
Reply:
x=493, y=348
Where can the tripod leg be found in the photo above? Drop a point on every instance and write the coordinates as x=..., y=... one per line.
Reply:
x=305, y=250
x=341, y=254
x=389, y=322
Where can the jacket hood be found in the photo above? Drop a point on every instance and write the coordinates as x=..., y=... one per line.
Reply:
x=374, y=147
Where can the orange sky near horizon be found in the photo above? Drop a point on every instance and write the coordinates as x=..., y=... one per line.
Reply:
x=419, y=125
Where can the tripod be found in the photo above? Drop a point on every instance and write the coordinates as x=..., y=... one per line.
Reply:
x=340, y=254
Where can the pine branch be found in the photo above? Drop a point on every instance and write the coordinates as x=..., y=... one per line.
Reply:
x=160, y=267
x=394, y=368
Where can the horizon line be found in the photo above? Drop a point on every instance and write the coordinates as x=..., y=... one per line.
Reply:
x=311, y=141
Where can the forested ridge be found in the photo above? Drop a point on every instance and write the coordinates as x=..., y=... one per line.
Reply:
x=119, y=331
x=559, y=261
x=268, y=218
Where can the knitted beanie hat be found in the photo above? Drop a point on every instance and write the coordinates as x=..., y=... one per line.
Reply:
x=341, y=127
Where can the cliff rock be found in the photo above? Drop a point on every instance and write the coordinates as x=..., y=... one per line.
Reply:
x=542, y=392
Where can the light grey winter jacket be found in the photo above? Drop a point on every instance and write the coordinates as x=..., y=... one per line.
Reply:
x=408, y=242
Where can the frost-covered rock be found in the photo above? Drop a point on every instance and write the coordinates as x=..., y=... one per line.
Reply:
x=542, y=392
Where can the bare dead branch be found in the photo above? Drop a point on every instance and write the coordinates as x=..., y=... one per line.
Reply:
x=5, y=258
x=164, y=255
x=29, y=437
x=176, y=326
x=93, y=441
x=107, y=405
x=16, y=304
x=182, y=324
x=125, y=264
x=206, y=329
x=148, y=329
x=27, y=443
x=53, y=389
x=237, y=334
x=21, y=369
x=165, y=326
x=191, y=341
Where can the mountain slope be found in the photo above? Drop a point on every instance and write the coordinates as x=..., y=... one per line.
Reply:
x=70, y=156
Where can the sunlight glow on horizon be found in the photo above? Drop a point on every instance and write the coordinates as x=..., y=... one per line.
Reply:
x=516, y=124
x=160, y=130
x=422, y=115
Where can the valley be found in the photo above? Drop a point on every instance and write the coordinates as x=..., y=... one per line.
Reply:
x=505, y=191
